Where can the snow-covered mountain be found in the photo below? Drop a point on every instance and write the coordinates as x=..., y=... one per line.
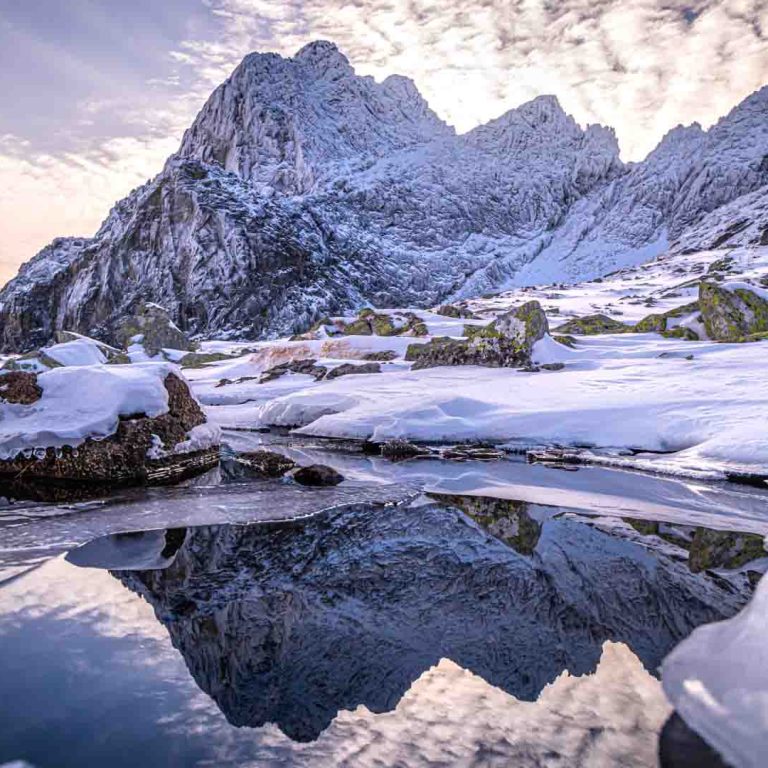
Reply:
x=303, y=189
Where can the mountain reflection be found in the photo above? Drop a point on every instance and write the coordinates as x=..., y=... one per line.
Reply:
x=292, y=622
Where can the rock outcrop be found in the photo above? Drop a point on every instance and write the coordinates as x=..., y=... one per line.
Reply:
x=734, y=311
x=591, y=325
x=506, y=343
x=152, y=328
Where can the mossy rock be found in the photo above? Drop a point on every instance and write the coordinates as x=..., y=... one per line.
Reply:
x=382, y=325
x=156, y=329
x=359, y=327
x=724, y=549
x=481, y=332
x=370, y=323
x=506, y=520
x=724, y=264
x=732, y=315
x=659, y=323
x=487, y=352
x=645, y=527
x=567, y=341
x=524, y=325
x=452, y=310
x=681, y=333
x=652, y=324
x=592, y=325
x=201, y=359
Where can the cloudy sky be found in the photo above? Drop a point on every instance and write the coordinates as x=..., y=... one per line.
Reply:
x=96, y=93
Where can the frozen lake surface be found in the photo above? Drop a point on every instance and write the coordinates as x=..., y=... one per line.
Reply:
x=420, y=613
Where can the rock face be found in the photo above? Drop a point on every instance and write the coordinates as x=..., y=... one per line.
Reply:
x=303, y=190
x=141, y=450
x=733, y=312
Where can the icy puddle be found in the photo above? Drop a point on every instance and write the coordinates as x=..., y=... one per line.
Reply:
x=422, y=613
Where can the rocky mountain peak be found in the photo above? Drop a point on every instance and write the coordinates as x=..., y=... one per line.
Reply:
x=302, y=189
x=324, y=60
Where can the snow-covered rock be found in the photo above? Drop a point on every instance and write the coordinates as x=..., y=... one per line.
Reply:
x=717, y=680
x=99, y=423
x=303, y=189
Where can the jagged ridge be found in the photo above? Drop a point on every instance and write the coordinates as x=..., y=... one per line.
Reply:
x=302, y=189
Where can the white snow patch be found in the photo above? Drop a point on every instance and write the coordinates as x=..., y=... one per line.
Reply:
x=79, y=352
x=717, y=680
x=81, y=402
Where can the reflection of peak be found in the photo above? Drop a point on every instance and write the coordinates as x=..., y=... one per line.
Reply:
x=292, y=622
x=506, y=519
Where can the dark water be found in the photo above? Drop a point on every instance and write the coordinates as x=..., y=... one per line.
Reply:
x=446, y=629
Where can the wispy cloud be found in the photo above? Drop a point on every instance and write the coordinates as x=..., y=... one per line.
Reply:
x=100, y=103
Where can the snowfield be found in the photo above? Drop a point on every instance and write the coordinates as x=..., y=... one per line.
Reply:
x=637, y=400
x=631, y=392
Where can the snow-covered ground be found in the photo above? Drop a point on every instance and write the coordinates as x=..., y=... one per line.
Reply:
x=629, y=295
x=638, y=400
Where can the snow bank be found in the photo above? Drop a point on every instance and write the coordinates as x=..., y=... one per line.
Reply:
x=717, y=680
x=637, y=392
x=81, y=402
x=81, y=351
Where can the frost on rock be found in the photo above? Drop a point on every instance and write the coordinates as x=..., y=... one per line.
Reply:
x=303, y=190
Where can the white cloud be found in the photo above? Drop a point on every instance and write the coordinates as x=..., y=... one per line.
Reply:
x=640, y=66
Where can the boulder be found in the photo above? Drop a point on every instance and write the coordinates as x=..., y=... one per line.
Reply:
x=266, y=463
x=317, y=475
x=152, y=328
x=384, y=357
x=142, y=449
x=347, y=369
x=566, y=341
x=506, y=343
x=372, y=323
x=201, y=359
x=400, y=450
x=733, y=312
x=490, y=352
x=659, y=323
x=592, y=325
x=524, y=325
